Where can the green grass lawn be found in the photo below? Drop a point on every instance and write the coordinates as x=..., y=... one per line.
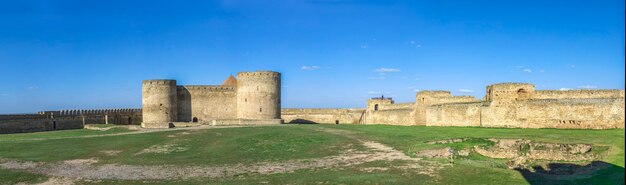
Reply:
x=247, y=145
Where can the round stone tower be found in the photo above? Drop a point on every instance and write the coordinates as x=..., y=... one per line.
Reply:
x=258, y=95
x=159, y=103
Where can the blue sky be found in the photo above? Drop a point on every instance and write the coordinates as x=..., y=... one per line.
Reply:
x=74, y=54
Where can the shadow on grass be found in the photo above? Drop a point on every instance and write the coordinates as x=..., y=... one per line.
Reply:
x=596, y=172
x=301, y=121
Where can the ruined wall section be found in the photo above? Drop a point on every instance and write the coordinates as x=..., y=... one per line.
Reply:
x=454, y=114
x=323, y=116
x=159, y=101
x=206, y=103
x=425, y=99
x=258, y=95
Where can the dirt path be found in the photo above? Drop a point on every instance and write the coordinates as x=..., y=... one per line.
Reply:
x=85, y=168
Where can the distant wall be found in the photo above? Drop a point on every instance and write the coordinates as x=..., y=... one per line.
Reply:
x=352, y=116
x=454, y=114
x=206, y=103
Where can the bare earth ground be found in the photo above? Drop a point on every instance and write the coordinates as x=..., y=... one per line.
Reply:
x=66, y=172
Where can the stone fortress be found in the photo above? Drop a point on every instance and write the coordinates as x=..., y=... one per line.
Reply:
x=254, y=98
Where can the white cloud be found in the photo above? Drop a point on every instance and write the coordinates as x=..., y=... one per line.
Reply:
x=417, y=79
x=587, y=87
x=387, y=70
x=565, y=89
x=416, y=90
x=466, y=91
x=519, y=67
x=32, y=88
x=309, y=67
x=528, y=70
x=373, y=92
x=413, y=43
x=377, y=78
x=410, y=88
x=541, y=71
x=364, y=46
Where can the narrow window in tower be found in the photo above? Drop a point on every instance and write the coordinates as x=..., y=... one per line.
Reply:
x=246, y=100
x=260, y=109
x=257, y=88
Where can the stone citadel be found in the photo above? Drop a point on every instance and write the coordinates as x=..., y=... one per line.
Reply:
x=255, y=97
x=252, y=98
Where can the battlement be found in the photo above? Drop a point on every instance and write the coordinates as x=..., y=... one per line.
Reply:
x=159, y=82
x=207, y=87
x=79, y=112
x=258, y=74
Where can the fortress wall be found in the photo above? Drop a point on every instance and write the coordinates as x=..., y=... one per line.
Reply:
x=37, y=123
x=572, y=113
x=551, y=113
x=454, y=114
x=576, y=94
x=352, y=116
x=25, y=125
x=206, y=103
x=21, y=116
x=390, y=117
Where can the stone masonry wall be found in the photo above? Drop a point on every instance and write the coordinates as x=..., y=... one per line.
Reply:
x=206, y=103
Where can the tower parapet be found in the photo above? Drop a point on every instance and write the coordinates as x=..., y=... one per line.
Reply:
x=159, y=103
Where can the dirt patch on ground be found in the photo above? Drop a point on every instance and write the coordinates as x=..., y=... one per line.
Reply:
x=111, y=152
x=446, y=141
x=91, y=127
x=446, y=152
x=53, y=181
x=163, y=149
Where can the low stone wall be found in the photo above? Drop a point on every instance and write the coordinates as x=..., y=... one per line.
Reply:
x=331, y=116
x=390, y=117
x=458, y=114
x=225, y=122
